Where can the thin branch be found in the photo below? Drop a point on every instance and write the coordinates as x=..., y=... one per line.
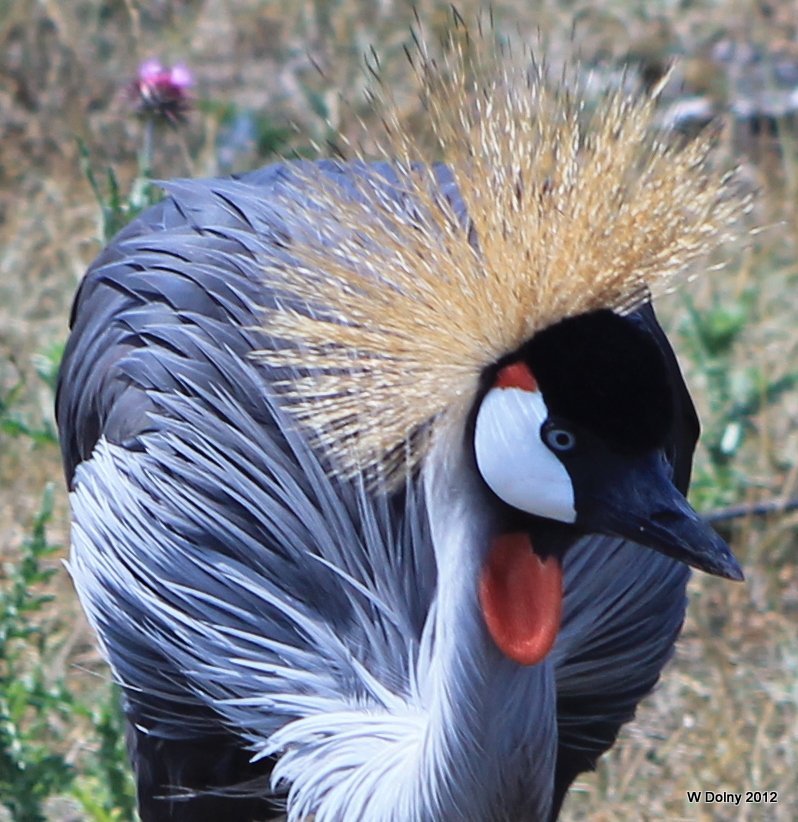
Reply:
x=755, y=509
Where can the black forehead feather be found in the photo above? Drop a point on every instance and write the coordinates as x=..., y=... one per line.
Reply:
x=607, y=374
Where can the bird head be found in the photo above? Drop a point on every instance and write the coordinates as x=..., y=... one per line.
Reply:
x=571, y=434
x=493, y=295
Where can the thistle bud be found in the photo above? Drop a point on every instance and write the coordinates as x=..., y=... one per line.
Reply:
x=161, y=93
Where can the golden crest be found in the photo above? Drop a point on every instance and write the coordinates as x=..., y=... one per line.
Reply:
x=573, y=204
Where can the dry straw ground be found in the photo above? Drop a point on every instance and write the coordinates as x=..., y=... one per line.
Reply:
x=725, y=717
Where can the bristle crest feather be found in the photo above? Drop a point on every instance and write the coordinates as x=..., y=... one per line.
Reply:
x=400, y=302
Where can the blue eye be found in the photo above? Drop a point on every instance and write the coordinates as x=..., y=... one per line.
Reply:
x=559, y=439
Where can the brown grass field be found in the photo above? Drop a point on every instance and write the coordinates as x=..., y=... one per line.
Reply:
x=725, y=716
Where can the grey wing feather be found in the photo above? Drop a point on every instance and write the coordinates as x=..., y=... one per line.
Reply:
x=606, y=665
x=179, y=463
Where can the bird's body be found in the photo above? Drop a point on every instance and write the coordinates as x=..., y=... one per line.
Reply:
x=272, y=616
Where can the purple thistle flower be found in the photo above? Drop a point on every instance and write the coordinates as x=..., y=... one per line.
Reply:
x=162, y=92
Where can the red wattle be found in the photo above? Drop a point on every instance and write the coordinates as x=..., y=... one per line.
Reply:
x=521, y=598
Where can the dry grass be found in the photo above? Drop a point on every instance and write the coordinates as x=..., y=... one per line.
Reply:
x=726, y=715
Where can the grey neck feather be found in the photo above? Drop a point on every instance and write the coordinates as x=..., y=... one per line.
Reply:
x=491, y=737
x=474, y=738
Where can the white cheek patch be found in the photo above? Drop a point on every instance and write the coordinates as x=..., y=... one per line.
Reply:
x=514, y=461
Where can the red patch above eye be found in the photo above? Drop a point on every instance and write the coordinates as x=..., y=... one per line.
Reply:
x=516, y=375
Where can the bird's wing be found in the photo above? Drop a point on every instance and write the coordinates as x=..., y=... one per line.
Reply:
x=180, y=462
x=158, y=387
x=235, y=557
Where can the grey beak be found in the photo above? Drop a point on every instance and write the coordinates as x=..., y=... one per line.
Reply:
x=639, y=502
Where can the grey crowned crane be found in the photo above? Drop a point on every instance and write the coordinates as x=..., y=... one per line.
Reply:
x=368, y=459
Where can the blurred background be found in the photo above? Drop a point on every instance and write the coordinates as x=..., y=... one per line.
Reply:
x=99, y=96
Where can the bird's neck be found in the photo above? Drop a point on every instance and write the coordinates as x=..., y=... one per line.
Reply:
x=491, y=736
x=469, y=736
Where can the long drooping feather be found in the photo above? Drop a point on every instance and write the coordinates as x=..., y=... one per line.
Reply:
x=399, y=301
